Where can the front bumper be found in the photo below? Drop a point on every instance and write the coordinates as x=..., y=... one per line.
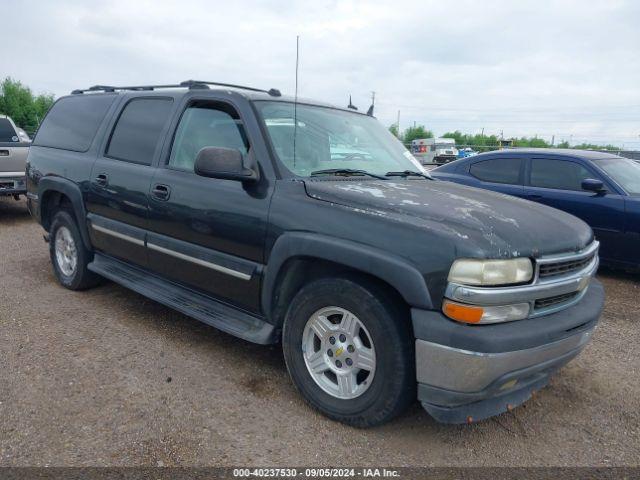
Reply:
x=471, y=372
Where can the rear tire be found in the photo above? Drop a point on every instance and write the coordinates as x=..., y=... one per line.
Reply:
x=69, y=256
x=350, y=351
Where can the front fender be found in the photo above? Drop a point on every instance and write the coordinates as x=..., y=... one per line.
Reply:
x=394, y=270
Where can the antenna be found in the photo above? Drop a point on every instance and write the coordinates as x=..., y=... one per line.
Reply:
x=295, y=102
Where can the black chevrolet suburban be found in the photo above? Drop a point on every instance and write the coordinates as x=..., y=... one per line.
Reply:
x=292, y=221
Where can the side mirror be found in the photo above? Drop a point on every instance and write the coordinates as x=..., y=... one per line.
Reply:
x=593, y=185
x=224, y=163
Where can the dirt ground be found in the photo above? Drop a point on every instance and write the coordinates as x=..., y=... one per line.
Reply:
x=107, y=377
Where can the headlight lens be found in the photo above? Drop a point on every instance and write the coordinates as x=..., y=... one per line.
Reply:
x=491, y=272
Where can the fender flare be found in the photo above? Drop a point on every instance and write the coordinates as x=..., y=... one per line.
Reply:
x=72, y=191
x=394, y=270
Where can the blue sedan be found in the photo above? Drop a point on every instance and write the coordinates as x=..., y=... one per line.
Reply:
x=600, y=188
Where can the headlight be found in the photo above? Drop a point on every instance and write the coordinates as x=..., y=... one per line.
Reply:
x=491, y=272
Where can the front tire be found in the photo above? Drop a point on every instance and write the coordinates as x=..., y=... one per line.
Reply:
x=69, y=256
x=350, y=352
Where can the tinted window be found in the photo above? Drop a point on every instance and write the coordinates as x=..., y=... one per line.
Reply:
x=558, y=174
x=7, y=133
x=72, y=122
x=206, y=126
x=497, y=170
x=624, y=171
x=138, y=130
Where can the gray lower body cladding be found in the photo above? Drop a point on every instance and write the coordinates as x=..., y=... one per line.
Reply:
x=462, y=380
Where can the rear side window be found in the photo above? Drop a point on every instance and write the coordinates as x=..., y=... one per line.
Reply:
x=497, y=170
x=138, y=130
x=7, y=133
x=72, y=122
x=558, y=174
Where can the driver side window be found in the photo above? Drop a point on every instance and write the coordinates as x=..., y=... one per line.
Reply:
x=558, y=174
x=206, y=125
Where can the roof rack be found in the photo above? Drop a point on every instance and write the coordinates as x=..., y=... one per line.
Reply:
x=190, y=84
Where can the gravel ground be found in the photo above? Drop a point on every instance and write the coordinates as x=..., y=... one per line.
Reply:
x=107, y=377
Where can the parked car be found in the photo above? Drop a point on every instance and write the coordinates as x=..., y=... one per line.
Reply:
x=22, y=135
x=382, y=284
x=437, y=151
x=600, y=188
x=466, y=152
x=13, y=157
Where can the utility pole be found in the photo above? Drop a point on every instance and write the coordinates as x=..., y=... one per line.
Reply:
x=398, y=124
x=482, y=133
x=553, y=140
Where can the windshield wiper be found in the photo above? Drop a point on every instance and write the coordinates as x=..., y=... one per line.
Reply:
x=346, y=172
x=408, y=173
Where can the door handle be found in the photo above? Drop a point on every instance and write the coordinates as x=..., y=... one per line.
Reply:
x=161, y=192
x=102, y=179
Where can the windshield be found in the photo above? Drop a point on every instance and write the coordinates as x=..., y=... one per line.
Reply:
x=327, y=138
x=624, y=171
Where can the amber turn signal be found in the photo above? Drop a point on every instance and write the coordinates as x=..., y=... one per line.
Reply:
x=462, y=313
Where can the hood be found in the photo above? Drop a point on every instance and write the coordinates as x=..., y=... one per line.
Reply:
x=480, y=223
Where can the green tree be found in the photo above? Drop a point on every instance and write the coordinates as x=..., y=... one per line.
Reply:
x=18, y=102
x=592, y=146
x=458, y=136
x=413, y=133
x=481, y=142
x=534, y=142
x=394, y=130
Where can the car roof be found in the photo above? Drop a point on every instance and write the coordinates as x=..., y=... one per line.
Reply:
x=556, y=152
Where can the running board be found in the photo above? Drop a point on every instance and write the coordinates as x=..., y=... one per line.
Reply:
x=189, y=302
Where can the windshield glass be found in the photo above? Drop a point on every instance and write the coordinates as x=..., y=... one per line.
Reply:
x=624, y=171
x=327, y=138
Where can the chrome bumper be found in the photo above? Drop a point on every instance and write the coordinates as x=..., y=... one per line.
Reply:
x=12, y=183
x=466, y=371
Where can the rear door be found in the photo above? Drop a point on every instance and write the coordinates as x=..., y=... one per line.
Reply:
x=117, y=199
x=501, y=174
x=557, y=182
x=209, y=233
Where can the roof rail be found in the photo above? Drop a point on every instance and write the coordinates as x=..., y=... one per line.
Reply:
x=190, y=84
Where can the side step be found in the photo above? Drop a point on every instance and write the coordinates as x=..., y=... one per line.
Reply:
x=189, y=302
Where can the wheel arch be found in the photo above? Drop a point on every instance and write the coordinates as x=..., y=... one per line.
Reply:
x=300, y=257
x=54, y=192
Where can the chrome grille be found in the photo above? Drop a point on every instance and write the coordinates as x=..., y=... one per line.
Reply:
x=561, y=268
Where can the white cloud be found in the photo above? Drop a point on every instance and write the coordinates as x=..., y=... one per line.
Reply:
x=527, y=67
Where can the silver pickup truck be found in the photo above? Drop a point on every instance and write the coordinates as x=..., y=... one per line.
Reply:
x=14, y=147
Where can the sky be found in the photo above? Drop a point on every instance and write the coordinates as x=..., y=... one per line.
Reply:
x=563, y=69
